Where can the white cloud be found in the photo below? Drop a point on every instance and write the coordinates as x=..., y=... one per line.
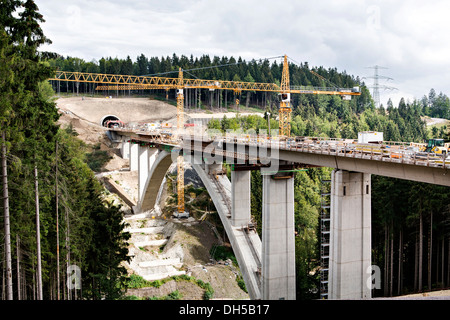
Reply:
x=408, y=37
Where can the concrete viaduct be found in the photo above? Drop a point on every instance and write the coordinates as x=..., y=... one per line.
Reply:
x=268, y=266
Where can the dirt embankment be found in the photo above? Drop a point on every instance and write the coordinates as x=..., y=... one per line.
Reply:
x=435, y=121
x=195, y=241
x=126, y=109
x=85, y=115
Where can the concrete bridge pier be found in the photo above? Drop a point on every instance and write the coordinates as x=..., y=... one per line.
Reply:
x=134, y=156
x=143, y=169
x=350, y=235
x=240, y=198
x=125, y=147
x=278, y=243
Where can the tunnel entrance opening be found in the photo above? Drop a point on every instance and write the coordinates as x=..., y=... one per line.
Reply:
x=109, y=120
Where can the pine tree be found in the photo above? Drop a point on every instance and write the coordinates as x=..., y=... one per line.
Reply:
x=9, y=293
x=107, y=247
x=7, y=65
x=8, y=22
x=28, y=121
x=29, y=29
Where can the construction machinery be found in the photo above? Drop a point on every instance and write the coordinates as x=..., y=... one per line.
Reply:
x=285, y=102
x=437, y=146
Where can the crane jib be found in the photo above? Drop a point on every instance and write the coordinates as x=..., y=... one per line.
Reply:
x=128, y=82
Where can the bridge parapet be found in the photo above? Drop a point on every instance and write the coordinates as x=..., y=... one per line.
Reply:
x=243, y=146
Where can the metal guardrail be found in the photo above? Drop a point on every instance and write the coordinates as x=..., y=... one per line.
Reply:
x=396, y=152
x=221, y=190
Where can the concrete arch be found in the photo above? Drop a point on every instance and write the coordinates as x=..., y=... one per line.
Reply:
x=246, y=246
x=154, y=181
x=156, y=176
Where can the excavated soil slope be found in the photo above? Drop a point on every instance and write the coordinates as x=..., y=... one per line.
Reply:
x=85, y=114
x=127, y=109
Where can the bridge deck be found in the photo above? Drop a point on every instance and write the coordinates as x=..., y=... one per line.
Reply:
x=399, y=160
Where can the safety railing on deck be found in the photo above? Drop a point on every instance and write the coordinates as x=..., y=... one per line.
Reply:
x=398, y=152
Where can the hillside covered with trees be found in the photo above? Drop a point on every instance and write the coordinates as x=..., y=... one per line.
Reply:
x=52, y=211
x=45, y=177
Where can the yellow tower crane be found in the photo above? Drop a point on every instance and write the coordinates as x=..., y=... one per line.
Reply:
x=285, y=102
x=180, y=158
x=128, y=82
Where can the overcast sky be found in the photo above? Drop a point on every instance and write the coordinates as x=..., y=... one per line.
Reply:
x=409, y=38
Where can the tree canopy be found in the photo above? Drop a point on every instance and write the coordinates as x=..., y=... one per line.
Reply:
x=91, y=234
x=410, y=220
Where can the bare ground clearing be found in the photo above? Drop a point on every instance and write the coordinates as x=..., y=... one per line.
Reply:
x=85, y=114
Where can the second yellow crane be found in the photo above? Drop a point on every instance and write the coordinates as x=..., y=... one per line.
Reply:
x=285, y=102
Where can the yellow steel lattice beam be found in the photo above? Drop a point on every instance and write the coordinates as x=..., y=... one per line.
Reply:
x=123, y=82
x=180, y=183
x=127, y=82
x=285, y=87
x=180, y=125
x=285, y=102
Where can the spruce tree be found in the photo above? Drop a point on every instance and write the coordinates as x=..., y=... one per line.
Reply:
x=5, y=109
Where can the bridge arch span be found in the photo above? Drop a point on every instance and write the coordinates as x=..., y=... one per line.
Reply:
x=154, y=181
x=246, y=245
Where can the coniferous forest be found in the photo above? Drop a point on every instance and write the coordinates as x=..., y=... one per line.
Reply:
x=53, y=214
x=52, y=207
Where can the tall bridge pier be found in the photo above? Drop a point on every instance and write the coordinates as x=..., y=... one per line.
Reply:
x=350, y=235
x=268, y=266
x=278, y=243
x=240, y=198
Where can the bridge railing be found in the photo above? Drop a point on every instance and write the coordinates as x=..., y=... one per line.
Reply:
x=398, y=152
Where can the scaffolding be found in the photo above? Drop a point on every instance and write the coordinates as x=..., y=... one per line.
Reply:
x=325, y=203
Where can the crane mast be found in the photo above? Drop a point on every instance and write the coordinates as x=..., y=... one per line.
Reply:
x=285, y=102
x=180, y=158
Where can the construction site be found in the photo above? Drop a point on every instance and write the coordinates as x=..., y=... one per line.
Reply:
x=169, y=152
x=155, y=233
x=162, y=246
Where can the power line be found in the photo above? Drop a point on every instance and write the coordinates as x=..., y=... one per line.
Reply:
x=376, y=86
x=210, y=67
